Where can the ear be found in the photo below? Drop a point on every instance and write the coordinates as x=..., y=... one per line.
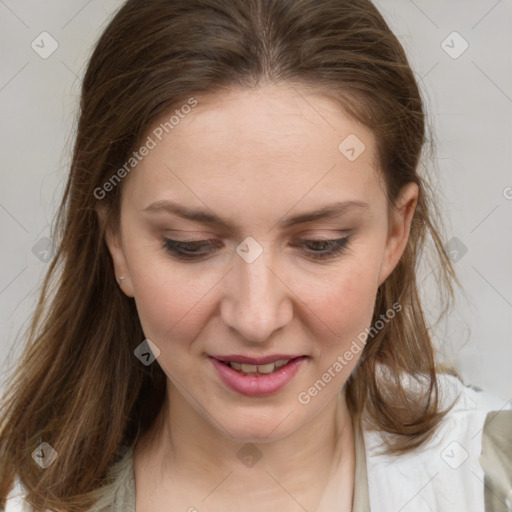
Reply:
x=113, y=240
x=399, y=227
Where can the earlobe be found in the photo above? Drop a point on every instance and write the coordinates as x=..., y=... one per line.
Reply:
x=399, y=228
x=115, y=247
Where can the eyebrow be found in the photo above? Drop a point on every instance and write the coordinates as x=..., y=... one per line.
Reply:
x=207, y=217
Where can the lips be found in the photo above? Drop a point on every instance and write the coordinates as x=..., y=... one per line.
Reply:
x=257, y=383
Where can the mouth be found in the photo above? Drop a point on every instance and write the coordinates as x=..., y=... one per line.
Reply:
x=257, y=379
x=257, y=365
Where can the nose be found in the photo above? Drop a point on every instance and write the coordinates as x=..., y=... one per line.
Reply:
x=258, y=300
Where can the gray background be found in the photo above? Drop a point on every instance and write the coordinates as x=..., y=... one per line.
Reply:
x=468, y=96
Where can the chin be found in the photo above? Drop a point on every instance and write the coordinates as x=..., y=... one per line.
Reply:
x=250, y=427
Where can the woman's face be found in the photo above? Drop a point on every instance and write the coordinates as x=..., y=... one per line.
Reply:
x=255, y=166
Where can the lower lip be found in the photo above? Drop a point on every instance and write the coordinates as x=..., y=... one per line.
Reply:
x=257, y=385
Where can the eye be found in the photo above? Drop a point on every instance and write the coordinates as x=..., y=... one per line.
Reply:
x=327, y=248
x=322, y=249
x=188, y=250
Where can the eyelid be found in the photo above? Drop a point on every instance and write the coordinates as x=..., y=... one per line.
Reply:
x=336, y=247
x=331, y=235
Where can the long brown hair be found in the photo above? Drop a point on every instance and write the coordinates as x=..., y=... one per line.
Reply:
x=78, y=385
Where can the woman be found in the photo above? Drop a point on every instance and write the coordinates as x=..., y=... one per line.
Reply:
x=233, y=321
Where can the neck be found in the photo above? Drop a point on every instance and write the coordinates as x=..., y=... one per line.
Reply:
x=183, y=443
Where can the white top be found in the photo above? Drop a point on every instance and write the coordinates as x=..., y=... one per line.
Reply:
x=472, y=446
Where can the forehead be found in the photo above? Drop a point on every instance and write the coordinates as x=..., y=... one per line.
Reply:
x=262, y=147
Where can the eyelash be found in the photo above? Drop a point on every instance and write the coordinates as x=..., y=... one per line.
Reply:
x=176, y=248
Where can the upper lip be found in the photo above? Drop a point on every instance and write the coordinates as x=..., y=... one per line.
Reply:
x=236, y=358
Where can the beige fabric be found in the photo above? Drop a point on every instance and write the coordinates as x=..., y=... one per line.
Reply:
x=496, y=460
x=361, y=501
x=120, y=495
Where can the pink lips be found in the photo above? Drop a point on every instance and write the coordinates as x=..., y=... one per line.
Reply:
x=257, y=385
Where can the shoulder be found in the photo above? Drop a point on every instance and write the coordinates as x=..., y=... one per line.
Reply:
x=468, y=460
x=118, y=495
x=16, y=499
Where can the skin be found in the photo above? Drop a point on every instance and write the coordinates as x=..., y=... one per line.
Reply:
x=253, y=157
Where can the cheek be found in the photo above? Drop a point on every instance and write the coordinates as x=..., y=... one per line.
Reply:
x=169, y=297
x=350, y=304
x=163, y=310
x=345, y=304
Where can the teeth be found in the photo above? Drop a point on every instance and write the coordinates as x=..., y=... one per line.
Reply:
x=249, y=368
x=266, y=368
x=260, y=368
